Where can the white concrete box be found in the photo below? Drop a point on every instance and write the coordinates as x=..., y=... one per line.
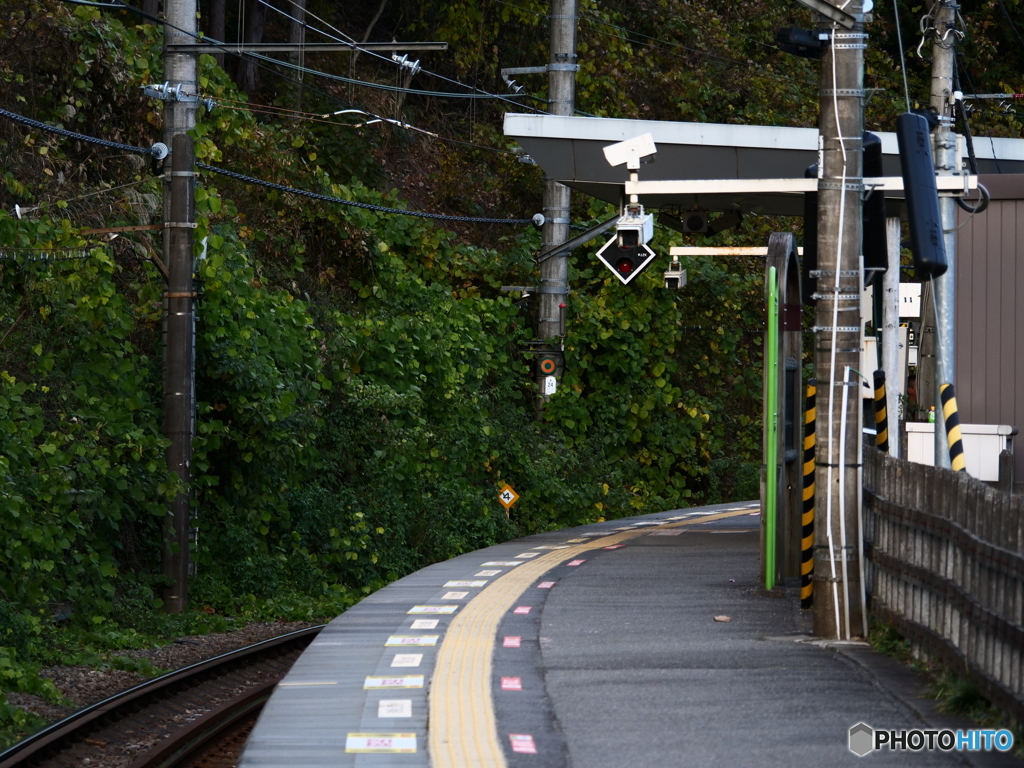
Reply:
x=982, y=445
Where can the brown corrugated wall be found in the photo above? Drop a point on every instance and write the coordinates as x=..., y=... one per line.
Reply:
x=990, y=312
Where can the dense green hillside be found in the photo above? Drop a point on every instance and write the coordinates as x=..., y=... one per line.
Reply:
x=362, y=383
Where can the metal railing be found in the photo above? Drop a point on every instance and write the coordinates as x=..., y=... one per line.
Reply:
x=945, y=566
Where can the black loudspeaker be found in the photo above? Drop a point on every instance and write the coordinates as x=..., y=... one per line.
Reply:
x=875, y=249
x=926, y=240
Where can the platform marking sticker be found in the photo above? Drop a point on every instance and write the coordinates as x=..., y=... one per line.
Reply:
x=424, y=624
x=575, y=563
x=614, y=546
x=412, y=640
x=454, y=595
x=522, y=610
x=511, y=683
x=372, y=683
x=666, y=533
x=512, y=641
x=528, y=554
x=466, y=583
x=487, y=573
x=394, y=708
x=433, y=609
x=638, y=525
x=404, y=743
x=503, y=562
x=599, y=533
x=296, y=685
x=522, y=743
x=407, y=660
x=550, y=546
x=546, y=585
x=574, y=541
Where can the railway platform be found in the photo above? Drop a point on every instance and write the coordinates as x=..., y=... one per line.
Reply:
x=637, y=642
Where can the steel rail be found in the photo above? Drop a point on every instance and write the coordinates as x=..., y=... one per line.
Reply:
x=79, y=723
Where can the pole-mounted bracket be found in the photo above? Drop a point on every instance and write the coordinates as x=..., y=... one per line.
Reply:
x=553, y=67
x=168, y=92
x=182, y=224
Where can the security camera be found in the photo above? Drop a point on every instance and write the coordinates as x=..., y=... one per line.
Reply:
x=630, y=152
x=675, y=275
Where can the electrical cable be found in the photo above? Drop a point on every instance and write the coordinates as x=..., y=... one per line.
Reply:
x=19, y=210
x=1009, y=20
x=984, y=116
x=367, y=206
x=832, y=353
x=251, y=180
x=157, y=150
x=903, y=61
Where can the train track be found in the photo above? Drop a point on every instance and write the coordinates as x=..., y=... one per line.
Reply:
x=196, y=716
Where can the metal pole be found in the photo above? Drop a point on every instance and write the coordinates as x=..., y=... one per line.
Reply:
x=179, y=215
x=838, y=329
x=894, y=383
x=943, y=61
x=771, y=410
x=554, y=272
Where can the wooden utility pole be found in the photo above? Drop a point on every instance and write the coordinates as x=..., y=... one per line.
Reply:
x=838, y=607
x=944, y=151
x=553, y=289
x=180, y=101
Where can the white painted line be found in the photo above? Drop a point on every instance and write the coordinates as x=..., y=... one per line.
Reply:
x=404, y=743
x=372, y=683
x=412, y=640
x=407, y=660
x=394, y=708
x=433, y=608
x=424, y=624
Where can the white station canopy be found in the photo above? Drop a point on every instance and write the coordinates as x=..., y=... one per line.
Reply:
x=569, y=149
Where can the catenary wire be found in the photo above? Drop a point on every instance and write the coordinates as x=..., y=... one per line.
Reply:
x=252, y=180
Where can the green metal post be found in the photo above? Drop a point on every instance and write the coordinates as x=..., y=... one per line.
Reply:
x=771, y=371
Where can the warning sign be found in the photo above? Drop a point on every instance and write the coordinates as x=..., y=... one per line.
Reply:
x=507, y=496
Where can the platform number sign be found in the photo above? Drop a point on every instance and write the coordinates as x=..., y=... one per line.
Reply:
x=507, y=497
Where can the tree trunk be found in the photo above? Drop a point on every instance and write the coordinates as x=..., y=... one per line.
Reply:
x=216, y=28
x=255, y=21
x=297, y=36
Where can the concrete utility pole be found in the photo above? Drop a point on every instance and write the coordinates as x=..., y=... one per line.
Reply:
x=838, y=607
x=180, y=102
x=553, y=288
x=944, y=151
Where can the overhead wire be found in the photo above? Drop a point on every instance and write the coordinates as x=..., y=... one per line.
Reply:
x=155, y=152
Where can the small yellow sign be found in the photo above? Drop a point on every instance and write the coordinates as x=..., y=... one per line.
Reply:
x=507, y=496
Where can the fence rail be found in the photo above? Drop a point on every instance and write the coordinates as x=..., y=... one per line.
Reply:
x=945, y=565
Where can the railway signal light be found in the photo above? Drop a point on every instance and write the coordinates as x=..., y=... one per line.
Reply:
x=627, y=253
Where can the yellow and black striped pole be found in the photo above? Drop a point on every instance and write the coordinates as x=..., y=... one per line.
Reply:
x=881, y=416
x=957, y=462
x=807, y=519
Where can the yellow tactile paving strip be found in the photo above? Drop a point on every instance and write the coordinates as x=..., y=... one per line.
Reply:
x=463, y=733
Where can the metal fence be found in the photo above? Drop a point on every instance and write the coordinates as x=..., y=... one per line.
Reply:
x=945, y=566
